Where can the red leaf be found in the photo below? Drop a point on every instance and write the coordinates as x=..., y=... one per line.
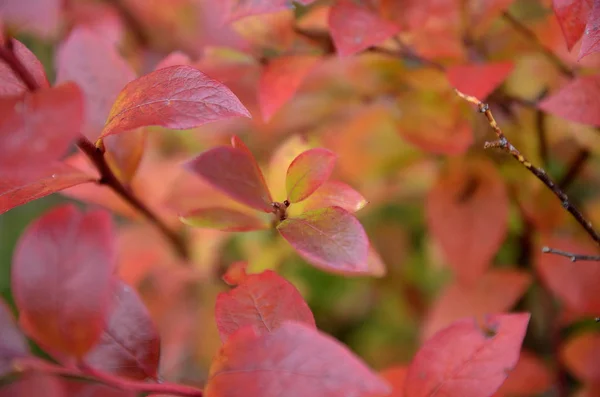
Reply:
x=467, y=214
x=329, y=238
x=467, y=359
x=235, y=172
x=591, y=36
x=88, y=389
x=308, y=172
x=581, y=356
x=62, y=278
x=280, y=80
x=12, y=342
x=479, y=80
x=529, y=377
x=572, y=16
x=34, y=384
x=355, y=27
x=10, y=83
x=38, y=127
x=497, y=291
x=22, y=185
x=41, y=17
x=92, y=62
x=335, y=194
x=129, y=345
x=264, y=301
x=224, y=219
x=574, y=283
x=396, y=377
x=177, y=97
x=578, y=100
x=295, y=360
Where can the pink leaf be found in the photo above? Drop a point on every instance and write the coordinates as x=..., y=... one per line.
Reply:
x=295, y=360
x=12, y=342
x=10, y=83
x=34, y=384
x=280, y=80
x=22, y=185
x=479, y=80
x=329, y=238
x=225, y=219
x=262, y=300
x=177, y=97
x=335, y=194
x=41, y=17
x=38, y=127
x=308, y=172
x=235, y=172
x=467, y=358
x=572, y=16
x=129, y=345
x=62, y=278
x=355, y=27
x=591, y=36
x=578, y=100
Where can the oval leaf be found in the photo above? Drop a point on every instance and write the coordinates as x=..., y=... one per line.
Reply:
x=479, y=80
x=10, y=83
x=467, y=214
x=176, y=97
x=235, y=172
x=62, y=278
x=578, y=100
x=591, y=36
x=224, y=219
x=335, y=194
x=129, y=345
x=262, y=300
x=12, y=342
x=308, y=172
x=295, y=360
x=468, y=359
x=329, y=238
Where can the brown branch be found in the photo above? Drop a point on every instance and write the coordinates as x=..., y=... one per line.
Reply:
x=573, y=257
x=7, y=54
x=531, y=36
x=574, y=169
x=504, y=144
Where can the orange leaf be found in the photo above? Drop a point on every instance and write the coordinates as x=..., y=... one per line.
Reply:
x=530, y=377
x=224, y=219
x=308, y=172
x=581, y=355
x=335, y=194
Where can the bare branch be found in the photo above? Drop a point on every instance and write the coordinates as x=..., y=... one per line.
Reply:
x=573, y=257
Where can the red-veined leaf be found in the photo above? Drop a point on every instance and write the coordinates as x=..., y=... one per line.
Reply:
x=335, y=194
x=581, y=356
x=34, y=384
x=576, y=284
x=38, y=127
x=62, y=278
x=530, y=377
x=396, y=377
x=129, y=345
x=12, y=342
x=41, y=17
x=22, y=185
x=10, y=83
x=308, y=172
x=295, y=360
x=467, y=358
x=572, y=16
x=479, y=80
x=280, y=80
x=578, y=100
x=235, y=172
x=176, y=97
x=495, y=292
x=225, y=219
x=355, y=27
x=262, y=300
x=591, y=35
x=330, y=238
x=467, y=214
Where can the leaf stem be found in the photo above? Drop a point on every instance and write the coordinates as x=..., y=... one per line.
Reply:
x=504, y=144
x=573, y=257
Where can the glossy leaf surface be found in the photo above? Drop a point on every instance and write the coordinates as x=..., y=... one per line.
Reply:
x=224, y=219
x=308, y=172
x=62, y=278
x=264, y=301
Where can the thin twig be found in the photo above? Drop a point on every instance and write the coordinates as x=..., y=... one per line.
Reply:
x=531, y=36
x=573, y=257
x=504, y=144
x=574, y=169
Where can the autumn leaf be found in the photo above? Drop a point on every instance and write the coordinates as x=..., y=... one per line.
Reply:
x=225, y=219
x=580, y=357
x=10, y=83
x=335, y=194
x=308, y=172
x=355, y=27
x=329, y=238
x=572, y=16
x=295, y=360
x=576, y=101
x=531, y=376
x=591, y=35
x=12, y=341
x=129, y=344
x=479, y=80
x=176, y=97
x=62, y=278
x=467, y=358
x=34, y=384
x=467, y=215
x=40, y=17
x=396, y=377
